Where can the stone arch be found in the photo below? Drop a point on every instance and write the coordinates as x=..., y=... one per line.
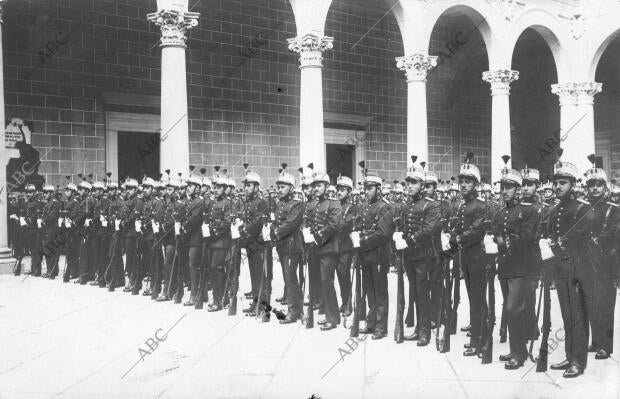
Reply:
x=547, y=26
x=598, y=53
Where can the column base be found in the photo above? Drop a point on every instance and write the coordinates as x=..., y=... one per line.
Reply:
x=6, y=265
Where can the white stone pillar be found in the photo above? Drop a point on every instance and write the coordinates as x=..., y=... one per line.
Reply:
x=310, y=48
x=174, y=24
x=577, y=121
x=5, y=252
x=416, y=67
x=500, y=117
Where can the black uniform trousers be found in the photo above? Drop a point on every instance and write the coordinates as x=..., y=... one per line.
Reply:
x=217, y=272
x=418, y=273
x=115, y=274
x=604, y=304
x=50, y=249
x=265, y=273
x=436, y=282
x=88, y=258
x=574, y=283
x=156, y=267
x=34, y=246
x=170, y=269
x=314, y=271
x=181, y=270
x=255, y=264
x=72, y=253
x=103, y=241
x=343, y=272
x=294, y=295
x=131, y=254
x=374, y=279
x=521, y=294
x=195, y=257
x=473, y=266
x=328, y=264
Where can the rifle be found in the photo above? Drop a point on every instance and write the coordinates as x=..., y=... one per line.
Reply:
x=536, y=325
x=456, y=278
x=356, y=284
x=308, y=305
x=442, y=334
x=541, y=363
x=487, y=347
x=400, y=304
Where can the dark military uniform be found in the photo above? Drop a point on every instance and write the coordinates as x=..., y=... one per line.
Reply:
x=470, y=231
x=131, y=209
x=324, y=227
x=286, y=232
x=420, y=218
x=74, y=238
x=193, y=245
x=573, y=275
x=603, y=221
x=376, y=229
x=314, y=268
x=255, y=214
x=218, y=245
x=180, y=213
x=102, y=236
x=348, y=211
x=514, y=228
x=115, y=273
x=49, y=236
x=157, y=217
x=34, y=208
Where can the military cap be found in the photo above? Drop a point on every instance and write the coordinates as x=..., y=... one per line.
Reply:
x=469, y=170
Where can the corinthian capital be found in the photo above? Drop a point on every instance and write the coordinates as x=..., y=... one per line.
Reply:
x=174, y=25
x=500, y=80
x=416, y=66
x=310, y=48
x=576, y=92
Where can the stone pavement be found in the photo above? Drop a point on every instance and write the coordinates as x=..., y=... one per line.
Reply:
x=73, y=341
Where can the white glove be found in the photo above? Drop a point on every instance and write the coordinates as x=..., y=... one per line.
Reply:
x=138, y=226
x=206, y=231
x=155, y=226
x=266, y=232
x=545, y=249
x=117, y=225
x=101, y=219
x=104, y=222
x=39, y=222
x=177, y=228
x=308, y=237
x=445, y=241
x=355, y=238
x=400, y=244
x=398, y=235
x=60, y=222
x=272, y=216
x=14, y=216
x=490, y=247
x=68, y=223
x=87, y=222
x=234, y=231
x=22, y=221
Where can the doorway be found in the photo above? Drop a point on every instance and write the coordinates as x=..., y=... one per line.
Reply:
x=340, y=159
x=138, y=155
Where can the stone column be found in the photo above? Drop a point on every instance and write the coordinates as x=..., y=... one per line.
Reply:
x=5, y=252
x=577, y=120
x=174, y=24
x=310, y=48
x=416, y=67
x=500, y=119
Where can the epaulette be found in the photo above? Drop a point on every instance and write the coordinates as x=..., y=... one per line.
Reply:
x=612, y=204
x=583, y=201
x=526, y=204
x=429, y=199
x=385, y=200
x=295, y=199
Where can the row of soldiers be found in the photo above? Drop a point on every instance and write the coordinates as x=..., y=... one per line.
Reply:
x=189, y=233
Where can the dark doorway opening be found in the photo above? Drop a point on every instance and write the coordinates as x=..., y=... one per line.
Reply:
x=340, y=160
x=138, y=155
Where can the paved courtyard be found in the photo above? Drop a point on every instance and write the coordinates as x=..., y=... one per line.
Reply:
x=72, y=341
